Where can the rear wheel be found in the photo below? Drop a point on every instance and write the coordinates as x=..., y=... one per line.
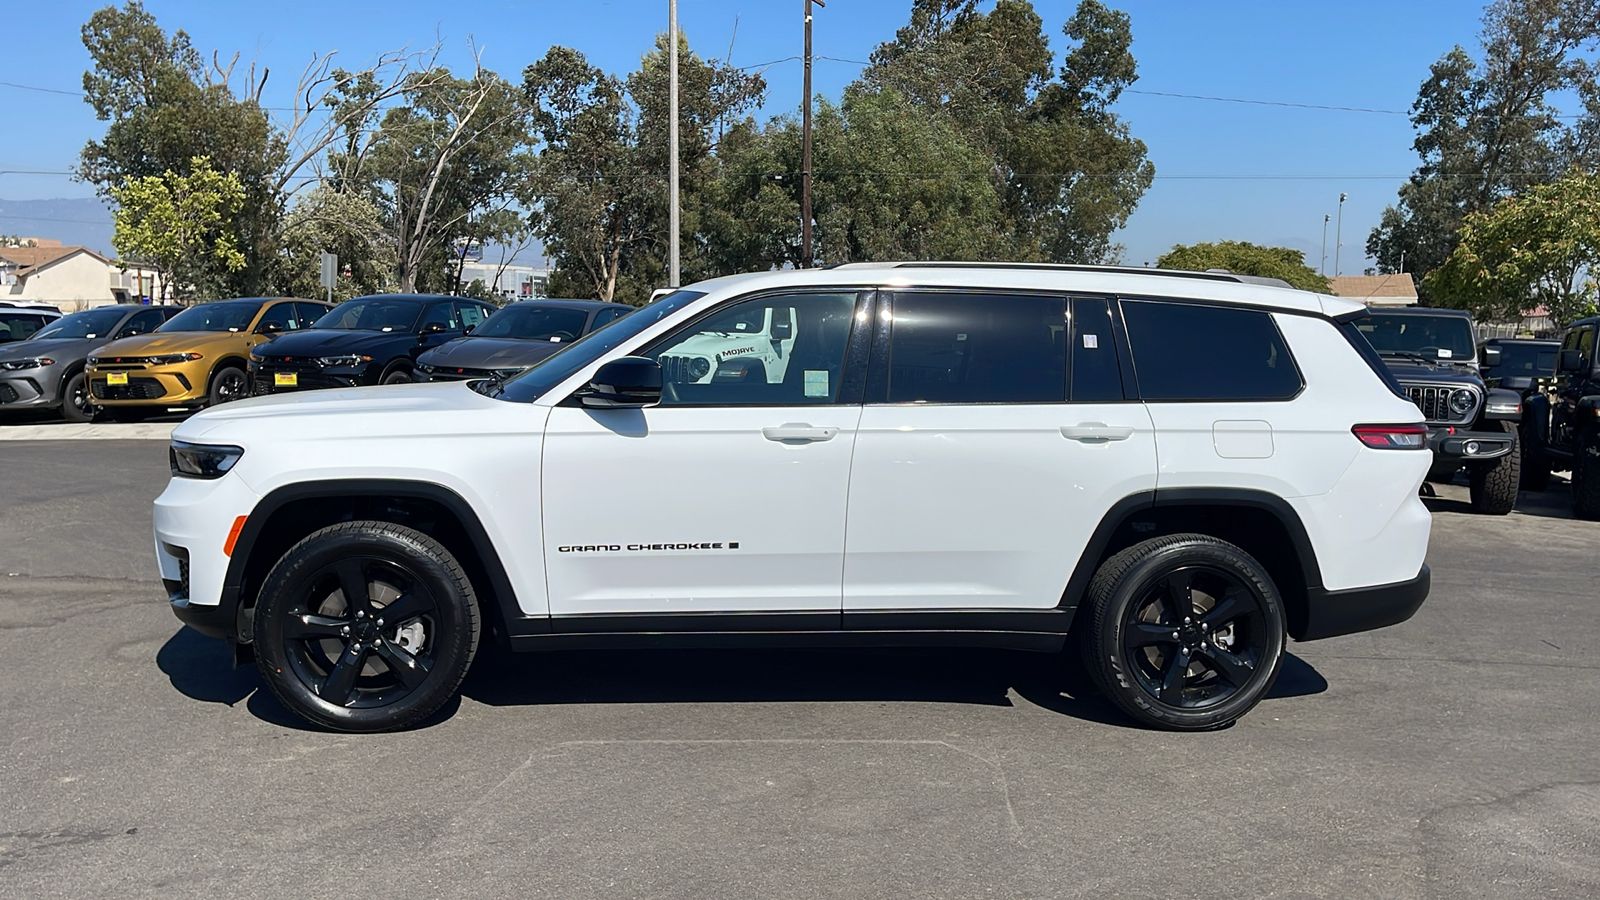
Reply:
x=1184, y=632
x=366, y=626
x=1494, y=484
x=75, y=405
x=228, y=384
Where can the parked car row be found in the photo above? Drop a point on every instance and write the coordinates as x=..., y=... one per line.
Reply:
x=131, y=362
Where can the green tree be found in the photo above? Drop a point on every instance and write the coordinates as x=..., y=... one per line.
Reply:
x=1245, y=258
x=1489, y=129
x=178, y=223
x=350, y=226
x=165, y=109
x=1537, y=248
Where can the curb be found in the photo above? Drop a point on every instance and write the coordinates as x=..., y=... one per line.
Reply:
x=154, y=431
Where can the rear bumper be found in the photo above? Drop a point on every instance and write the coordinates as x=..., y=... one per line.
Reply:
x=1332, y=613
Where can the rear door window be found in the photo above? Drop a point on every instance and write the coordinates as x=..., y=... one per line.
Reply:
x=977, y=348
x=1184, y=351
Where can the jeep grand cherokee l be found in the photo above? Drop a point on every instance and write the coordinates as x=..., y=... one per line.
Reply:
x=1167, y=475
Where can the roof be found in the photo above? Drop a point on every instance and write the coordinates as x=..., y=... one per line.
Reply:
x=411, y=298
x=1523, y=342
x=563, y=303
x=28, y=258
x=1375, y=288
x=1433, y=311
x=1155, y=283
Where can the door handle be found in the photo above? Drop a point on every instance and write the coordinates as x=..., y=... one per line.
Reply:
x=798, y=433
x=1096, y=432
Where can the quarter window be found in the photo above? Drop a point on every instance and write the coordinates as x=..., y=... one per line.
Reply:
x=1188, y=352
x=977, y=348
x=786, y=350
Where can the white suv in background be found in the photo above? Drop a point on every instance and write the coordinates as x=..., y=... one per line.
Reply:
x=1165, y=473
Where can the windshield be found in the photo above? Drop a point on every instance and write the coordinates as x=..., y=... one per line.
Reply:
x=1431, y=337
x=225, y=315
x=556, y=368
x=1526, y=359
x=90, y=323
x=372, y=314
x=535, y=323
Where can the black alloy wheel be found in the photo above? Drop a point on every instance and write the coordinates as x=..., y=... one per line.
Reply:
x=76, y=405
x=229, y=384
x=398, y=376
x=366, y=626
x=1186, y=632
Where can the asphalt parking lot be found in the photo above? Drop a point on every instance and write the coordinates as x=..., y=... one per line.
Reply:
x=1457, y=755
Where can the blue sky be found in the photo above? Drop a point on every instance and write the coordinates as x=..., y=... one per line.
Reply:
x=1224, y=170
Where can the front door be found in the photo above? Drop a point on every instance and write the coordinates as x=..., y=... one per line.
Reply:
x=977, y=482
x=728, y=497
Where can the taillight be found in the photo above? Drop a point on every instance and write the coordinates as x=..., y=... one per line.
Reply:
x=1393, y=437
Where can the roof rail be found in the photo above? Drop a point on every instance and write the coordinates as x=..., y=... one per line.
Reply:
x=1210, y=275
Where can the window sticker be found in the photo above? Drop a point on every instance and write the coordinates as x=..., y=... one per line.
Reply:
x=817, y=383
x=1091, y=341
x=1444, y=353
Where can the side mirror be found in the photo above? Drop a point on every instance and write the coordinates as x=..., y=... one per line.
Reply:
x=627, y=383
x=1491, y=357
x=434, y=328
x=1571, y=362
x=268, y=328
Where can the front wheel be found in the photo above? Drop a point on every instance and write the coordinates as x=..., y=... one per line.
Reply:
x=366, y=626
x=1494, y=484
x=75, y=403
x=1184, y=632
x=230, y=383
x=398, y=376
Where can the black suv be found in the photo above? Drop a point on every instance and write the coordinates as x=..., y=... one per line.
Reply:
x=1430, y=352
x=1565, y=422
x=1527, y=366
x=365, y=341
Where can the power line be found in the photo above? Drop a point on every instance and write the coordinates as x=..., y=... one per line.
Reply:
x=1281, y=103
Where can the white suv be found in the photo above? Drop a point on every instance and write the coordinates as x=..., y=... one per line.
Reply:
x=1165, y=473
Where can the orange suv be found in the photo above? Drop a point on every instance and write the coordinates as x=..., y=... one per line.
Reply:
x=197, y=358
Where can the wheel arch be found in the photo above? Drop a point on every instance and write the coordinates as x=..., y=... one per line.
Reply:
x=286, y=515
x=1262, y=524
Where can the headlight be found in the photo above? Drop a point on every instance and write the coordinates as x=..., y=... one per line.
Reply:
x=699, y=368
x=202, y=460
x=171, y=359
x=342, y=362
x=19, y=364
x=1462, y=402
x=426, y=370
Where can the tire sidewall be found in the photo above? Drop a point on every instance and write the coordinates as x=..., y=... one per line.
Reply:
x=287, y=584
x=216, y=380
x=69, y=410
x=1116, y=669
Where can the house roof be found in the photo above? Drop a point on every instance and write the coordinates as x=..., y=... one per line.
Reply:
x=1392, y=288
x=30, y=259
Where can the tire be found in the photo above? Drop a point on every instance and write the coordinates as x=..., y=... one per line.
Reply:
x=1535, y=466
x=1586, y=481
x=398, y=376
x=1494, y=484
x=75, y=403
x=1135, y=603
x=356, y=672
x=228, y=383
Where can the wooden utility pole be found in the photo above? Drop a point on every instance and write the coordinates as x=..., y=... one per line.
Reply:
x=805, y=150
x=674, y=270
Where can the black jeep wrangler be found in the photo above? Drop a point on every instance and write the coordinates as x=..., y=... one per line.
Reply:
x=1527, y=367
x=1564, y=423
x=1430, y=352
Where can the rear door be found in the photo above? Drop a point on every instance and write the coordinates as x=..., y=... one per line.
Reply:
x=981, y=469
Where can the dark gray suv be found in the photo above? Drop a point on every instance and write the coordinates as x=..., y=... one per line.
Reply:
x=46, y=370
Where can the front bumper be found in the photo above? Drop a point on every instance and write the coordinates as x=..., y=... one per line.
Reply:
x=31, y=388
x=156, y=386
x=1457, y=443
x=192, y=520
x=308, y=376
x=1332, y=613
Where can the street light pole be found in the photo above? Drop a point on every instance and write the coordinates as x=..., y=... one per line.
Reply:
x=1325, y=219
x=805, y=150
x=674, y=270
x=1338, y=234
